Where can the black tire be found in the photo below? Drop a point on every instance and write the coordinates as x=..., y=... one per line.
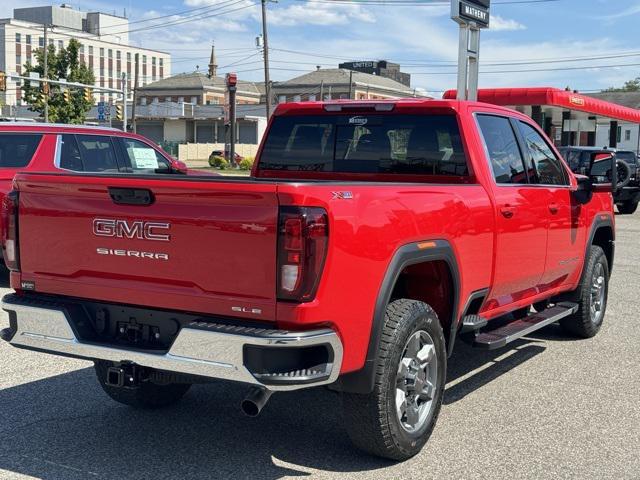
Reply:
x=624, y=173
x=146, y=396
x=583, y=323
x=628, y=207
x=372, y=421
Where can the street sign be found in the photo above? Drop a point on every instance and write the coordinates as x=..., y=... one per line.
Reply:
x=471, y=11
x=101, y=112
x=472, y=16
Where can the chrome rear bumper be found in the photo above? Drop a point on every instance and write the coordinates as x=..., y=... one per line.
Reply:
x=201, y=348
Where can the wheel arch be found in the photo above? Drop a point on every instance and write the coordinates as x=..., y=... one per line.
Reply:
x=413, y=261
x=602, y=234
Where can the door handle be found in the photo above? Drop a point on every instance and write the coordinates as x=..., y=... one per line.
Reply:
x=131, y=196
x=507, y=211
x=553, y=208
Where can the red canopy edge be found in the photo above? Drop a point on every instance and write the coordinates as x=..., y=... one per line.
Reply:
x=556, y=98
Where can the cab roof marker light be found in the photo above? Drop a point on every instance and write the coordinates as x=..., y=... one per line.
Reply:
x=378, y=107
x=385, y=107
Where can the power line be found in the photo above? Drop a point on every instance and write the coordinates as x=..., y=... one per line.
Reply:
x=151, y=19
x=417, y=3
x=562, y=69
x=189, y=19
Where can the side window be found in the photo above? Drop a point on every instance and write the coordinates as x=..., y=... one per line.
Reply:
x=502, y=147
x=16, y=150
x=143, y=158
x=97, y=153
x=548, y=166
x=70, y=158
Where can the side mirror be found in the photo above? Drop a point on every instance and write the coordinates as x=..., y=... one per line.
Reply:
x=584, y=191
x=603, y=172
x=179, y=167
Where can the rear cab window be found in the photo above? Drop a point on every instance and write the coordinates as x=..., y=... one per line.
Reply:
x=502, y=149
x=17, y=149
x=426, y=144
x=88, y=153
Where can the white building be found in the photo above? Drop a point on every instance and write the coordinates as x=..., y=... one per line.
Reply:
x=105, y=47
x=627, y=134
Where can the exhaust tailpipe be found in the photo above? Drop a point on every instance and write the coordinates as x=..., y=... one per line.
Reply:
x=255, y=401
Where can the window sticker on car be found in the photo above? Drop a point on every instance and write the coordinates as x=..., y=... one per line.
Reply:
x=144, y=158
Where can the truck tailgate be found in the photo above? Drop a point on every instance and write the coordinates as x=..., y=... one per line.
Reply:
x=204, y=246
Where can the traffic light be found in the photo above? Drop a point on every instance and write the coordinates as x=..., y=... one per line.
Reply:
x=3, y=82
x=43, y=97
x=119, y=112
x=88, y=95
x=67, y=96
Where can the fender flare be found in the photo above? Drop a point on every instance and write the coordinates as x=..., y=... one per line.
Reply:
x=601, y=220
x=362, y=381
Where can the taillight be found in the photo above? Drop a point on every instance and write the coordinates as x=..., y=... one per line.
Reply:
x=303, y=233
x=10, y=231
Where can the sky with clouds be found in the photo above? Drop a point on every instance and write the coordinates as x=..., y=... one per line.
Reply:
x=524, y=37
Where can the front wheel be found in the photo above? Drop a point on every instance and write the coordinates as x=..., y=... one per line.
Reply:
x=397, y=418
x=591, y=296
x=628, y=207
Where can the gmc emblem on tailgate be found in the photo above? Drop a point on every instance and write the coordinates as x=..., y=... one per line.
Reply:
x=108, y=227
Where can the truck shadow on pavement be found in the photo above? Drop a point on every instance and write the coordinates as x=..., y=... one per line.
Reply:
x=66, y=427
x=4, y=276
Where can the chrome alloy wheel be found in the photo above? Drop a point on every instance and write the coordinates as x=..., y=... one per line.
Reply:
x=416, y=381
x=597, y=299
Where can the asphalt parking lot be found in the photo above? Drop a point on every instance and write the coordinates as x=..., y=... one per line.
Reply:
x=545, y=407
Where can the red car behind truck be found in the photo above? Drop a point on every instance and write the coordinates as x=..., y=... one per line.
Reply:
x=371, y=237
x=37, y=147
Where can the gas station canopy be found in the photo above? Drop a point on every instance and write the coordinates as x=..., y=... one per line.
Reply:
x=554, y=97
x=567, y=117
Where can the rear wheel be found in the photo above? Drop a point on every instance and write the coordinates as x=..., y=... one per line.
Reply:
x=146, y=395
x=397, y=418
x=591, y=296
x=628, y=207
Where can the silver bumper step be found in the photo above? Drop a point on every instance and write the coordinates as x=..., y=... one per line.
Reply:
x=201, y=348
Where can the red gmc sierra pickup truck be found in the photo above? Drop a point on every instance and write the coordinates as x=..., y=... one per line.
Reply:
x=370, y=238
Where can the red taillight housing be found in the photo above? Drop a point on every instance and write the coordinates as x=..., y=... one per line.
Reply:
x=303, y=233
x=10, y=248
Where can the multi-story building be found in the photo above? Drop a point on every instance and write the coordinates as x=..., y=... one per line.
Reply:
x=340, y=83
x=105, y=47
x=198, y=88
x=382, y=68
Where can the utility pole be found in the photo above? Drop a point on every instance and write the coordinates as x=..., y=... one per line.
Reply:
x=265, y=51
x=322, y=90
x=350, y=84
x=124, y=101
x=45, y=86
x=135, y=95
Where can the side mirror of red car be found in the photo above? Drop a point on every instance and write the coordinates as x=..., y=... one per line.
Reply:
x=179, y=167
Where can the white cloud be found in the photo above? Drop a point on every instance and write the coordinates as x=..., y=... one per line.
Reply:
x=505, y=24
x=319, y=14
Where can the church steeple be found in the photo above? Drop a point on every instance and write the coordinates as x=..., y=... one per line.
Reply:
x=213, y=64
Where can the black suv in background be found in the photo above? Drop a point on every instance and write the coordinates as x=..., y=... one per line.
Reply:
x=627, y=196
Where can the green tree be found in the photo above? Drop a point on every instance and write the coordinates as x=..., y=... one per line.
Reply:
x=61, y=64
x=630, y=86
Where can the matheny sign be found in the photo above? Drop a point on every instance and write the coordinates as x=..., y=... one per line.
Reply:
x=471, y=11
